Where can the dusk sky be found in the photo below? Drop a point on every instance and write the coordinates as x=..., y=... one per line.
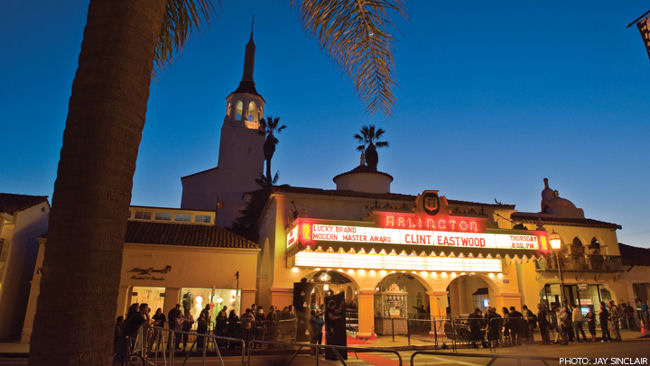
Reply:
x=492, y=97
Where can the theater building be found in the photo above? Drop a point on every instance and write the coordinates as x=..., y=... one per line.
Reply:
x=402, y=256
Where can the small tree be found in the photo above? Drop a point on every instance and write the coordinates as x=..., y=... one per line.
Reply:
x=369, y=142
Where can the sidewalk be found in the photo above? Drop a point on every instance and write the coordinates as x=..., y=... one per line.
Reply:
x=421, y=341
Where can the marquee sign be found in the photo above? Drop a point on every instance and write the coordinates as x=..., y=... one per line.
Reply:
x=308, y=232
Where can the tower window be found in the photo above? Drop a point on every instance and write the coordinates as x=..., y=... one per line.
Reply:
x=251, y=110
x=239, y=110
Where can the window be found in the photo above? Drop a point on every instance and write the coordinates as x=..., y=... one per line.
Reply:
x=143, y=215
x=202, y=218
x=251, y=111
x=239, y=110
x=163, y=216
x=183, y=217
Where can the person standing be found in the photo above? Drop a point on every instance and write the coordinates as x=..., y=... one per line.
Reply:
x=542, y=319
x=615, y=318
x=475, y=325
x=494, y=321
x=173, y=316
x=564, y=323
x=642, y=313
x=506, y=326
x=531, y=323
x=517, y=325
x=577, y=323
x=591, y=323
x=188, y=321
x=247, y=321
x=202, y=326
x=159, y=321
x=603, y=317
x=272, y=320
x=316, y=328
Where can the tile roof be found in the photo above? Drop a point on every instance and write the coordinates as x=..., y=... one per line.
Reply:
x=631, y=255
x=184, y=234
x=12, y=203
x=386, y=196
x=551, y=219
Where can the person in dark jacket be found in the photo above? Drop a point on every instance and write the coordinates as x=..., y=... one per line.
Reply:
x=603, y=317
x=202, y=326
x=172, y=316
x=591, y=323
x=517, y=325
x=494, y=324
x=475, y=325
x=159, y=320
x=542, y=321
x=316, y=328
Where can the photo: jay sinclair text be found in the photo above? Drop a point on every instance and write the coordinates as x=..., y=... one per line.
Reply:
x=603, y=360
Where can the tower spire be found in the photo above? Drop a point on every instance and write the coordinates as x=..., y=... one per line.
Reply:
x=247, y=84
x=252, y=27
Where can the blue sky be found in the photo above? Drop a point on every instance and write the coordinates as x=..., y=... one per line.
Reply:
x=492, y=97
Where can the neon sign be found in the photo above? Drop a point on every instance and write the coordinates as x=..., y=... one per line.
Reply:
x=310, y=232
x=398, y=220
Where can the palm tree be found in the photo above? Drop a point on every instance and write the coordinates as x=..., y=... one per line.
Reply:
x=106, y=114
x=368, y=142
x=268, y=127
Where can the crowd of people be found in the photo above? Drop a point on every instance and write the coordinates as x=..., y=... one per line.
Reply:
x=139, y=330
x=562, y=323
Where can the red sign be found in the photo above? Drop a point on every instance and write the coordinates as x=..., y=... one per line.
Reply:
x=440, y=222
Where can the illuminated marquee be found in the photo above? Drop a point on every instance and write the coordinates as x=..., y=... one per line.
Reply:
x=396, y=262
x=398, y=220
x=309, y=231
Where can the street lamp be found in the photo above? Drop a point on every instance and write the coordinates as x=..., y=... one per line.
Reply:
x=556, y=244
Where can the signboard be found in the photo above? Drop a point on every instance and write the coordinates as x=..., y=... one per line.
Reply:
x=310, y=232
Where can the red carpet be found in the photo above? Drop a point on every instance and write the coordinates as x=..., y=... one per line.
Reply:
x=373, y=359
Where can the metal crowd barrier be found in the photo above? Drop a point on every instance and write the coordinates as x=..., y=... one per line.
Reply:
x=492, y=357
x=316, y=348
x=169, y=354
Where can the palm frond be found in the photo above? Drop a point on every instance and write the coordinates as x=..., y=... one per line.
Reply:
x=382, y=144
x=357, y=35
x=181, y=18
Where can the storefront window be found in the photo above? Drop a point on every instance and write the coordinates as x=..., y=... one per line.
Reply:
x=152, y=296
x=583, y=295
x=195, y=300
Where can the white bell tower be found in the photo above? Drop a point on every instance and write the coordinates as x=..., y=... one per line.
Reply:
x=241, y=158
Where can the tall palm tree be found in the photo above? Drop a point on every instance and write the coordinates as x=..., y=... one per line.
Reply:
x=268, y=127
x=369, y=141
x=106, y=114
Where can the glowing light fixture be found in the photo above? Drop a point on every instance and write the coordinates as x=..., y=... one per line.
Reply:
x=555, y=241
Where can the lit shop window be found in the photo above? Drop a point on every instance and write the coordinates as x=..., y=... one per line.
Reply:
x=183, y=217
x=194, y=300
x=143, y=215
x=239, y=110
x=202, y=218
x=163, y=216
x=152, y=296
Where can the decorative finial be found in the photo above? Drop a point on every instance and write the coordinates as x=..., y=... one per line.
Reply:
x=546, y=183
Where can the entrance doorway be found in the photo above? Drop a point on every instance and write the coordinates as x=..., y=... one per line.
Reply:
x=466, y=293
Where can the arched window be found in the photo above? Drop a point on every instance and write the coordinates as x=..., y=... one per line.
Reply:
x=576, y=248
x=239, y=110
x=251, y=111
x=228, y=109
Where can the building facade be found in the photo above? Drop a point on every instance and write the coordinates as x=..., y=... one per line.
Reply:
x=23, y=218
x=404, y=256
x=174, y=256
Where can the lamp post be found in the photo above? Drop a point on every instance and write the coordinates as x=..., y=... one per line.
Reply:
x=556, y=244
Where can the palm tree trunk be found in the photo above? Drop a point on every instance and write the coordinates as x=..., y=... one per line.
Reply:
x=83, y=255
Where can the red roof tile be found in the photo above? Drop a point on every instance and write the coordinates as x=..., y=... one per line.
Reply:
x=12, y=203
x=184, y=234
x=551, y=219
